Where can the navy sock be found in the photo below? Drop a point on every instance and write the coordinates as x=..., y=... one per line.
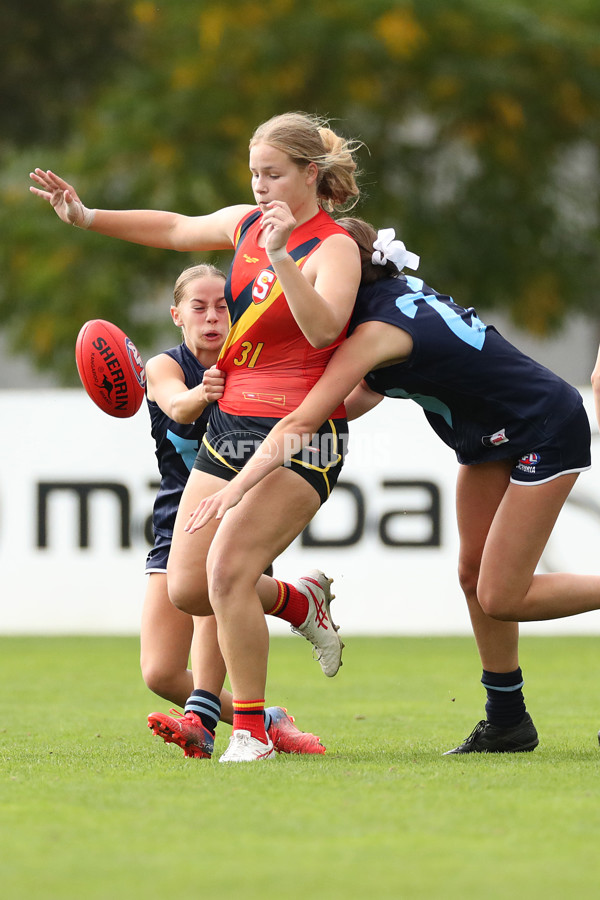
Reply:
x=205, y=705
x=505, y=705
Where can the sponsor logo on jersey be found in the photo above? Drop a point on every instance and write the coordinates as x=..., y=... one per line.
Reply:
x=494, y=440
x=528, y=462
x=250, y=259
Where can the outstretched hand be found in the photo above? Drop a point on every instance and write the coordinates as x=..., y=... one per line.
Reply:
x=214, y=507
x=61, y=196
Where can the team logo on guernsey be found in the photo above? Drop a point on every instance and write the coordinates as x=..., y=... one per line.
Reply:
x=528, y=462
x=263, y=283
x=494, y=440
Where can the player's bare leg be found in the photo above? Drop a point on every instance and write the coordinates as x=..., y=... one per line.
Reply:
x=256, y=531
x=187, y=576
x=508, y=587
x=508, y=726
x=194, y=731
x=165, y=639
x=166, y=661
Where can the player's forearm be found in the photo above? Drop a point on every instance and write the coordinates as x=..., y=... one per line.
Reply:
x=278, y=447
x=186, y=406
x=360, y=401
x=320, y=321
x=152, y=228
x=285, y=440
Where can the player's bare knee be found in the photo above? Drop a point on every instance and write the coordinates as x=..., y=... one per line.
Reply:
x=228, y=579
x=222, y=584
x=177, y=593
x=156, y=678
x=157, y=675
x=468, y=576
x=496, y=604
x=189, y=595
x=223, y=570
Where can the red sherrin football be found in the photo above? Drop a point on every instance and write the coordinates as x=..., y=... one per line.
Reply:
x=110, y=368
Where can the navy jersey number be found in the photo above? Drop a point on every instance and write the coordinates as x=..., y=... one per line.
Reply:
x=472, y=334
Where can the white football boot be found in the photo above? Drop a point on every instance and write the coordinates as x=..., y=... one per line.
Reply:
x=245, y=748
x=318, y=628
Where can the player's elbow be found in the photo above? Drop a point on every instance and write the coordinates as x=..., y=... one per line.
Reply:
x=325, y=336
x=324, y=332
x=322, y=340
x=180, y=411
x=183, y=418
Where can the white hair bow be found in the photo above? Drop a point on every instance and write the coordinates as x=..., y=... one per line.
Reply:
x=387, y=249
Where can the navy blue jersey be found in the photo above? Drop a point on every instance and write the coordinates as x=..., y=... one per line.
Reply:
x=176, y=446
x=481, y=395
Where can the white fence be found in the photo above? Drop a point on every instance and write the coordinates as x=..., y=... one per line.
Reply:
x=76, y=493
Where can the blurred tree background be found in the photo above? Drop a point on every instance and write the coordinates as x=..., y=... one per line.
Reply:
x=480, y=122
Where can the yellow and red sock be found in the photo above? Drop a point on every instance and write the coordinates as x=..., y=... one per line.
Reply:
x=250, y=715
x=291, y=604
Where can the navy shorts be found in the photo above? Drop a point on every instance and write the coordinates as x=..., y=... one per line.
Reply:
x=230, y=441
x=157, y=559
x=566, y=452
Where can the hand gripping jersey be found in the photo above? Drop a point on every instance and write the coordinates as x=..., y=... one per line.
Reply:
x=270, y=365
x=481, y=395
x=176, y=446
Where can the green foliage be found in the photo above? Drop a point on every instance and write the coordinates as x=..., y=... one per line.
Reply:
x=480, y=123
x=56, y=54
x=92, y=806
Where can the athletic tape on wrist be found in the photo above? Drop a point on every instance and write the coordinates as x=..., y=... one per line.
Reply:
x=87, y=217
x=276, y=256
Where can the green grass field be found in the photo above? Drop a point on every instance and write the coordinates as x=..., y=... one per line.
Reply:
x=94, y=807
